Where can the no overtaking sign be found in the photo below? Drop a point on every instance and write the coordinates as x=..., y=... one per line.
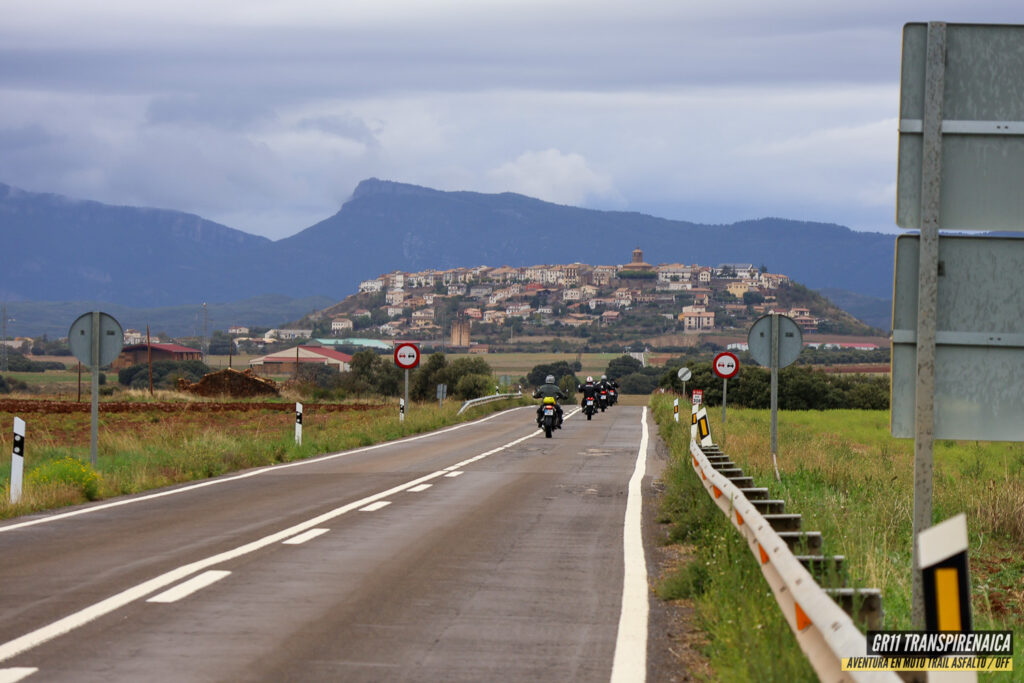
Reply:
x=407, y=356
x=726, y=365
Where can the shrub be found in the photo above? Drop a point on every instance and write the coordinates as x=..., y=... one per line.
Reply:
x=67, y=471
x=473, y=386
x=165, y=373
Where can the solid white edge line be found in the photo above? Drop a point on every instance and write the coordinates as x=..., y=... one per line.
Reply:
x=308, y=536
x=196, y=583
x=630, y=662
x=419, y=489
x=69, y=623
x=225, y=479
x=16, y=674
x=373, y=507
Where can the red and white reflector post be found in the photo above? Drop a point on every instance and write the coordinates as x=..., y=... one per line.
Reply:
x=18, y=459
x=298, y=424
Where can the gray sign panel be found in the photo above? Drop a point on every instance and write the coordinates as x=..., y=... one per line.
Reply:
x=979, y=353
x=759, y=341
x=80, y=338
x=982, y=128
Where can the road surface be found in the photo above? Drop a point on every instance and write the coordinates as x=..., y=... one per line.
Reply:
x=483, y=552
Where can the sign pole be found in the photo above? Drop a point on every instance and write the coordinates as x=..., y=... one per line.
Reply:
x=774, y=440
x=402, y=416
x=725, y=389
x=95, y=421
x=927, y=301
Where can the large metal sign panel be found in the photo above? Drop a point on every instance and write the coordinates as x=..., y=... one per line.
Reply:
x=111, y=339
x=982, y=128
x=759, y=341
x=979, y=352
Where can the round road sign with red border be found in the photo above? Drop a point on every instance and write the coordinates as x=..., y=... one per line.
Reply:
x=726, y=365
x=407, y=356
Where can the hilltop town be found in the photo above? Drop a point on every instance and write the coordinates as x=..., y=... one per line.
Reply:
x=476, y=308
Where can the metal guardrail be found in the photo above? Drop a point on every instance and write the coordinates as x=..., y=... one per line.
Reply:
x=486, y=399
x=823, y=630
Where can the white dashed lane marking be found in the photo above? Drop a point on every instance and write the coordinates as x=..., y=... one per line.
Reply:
x=186, y=589
x=308, y=536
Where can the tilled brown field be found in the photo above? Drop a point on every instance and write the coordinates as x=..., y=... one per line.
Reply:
x=60, y=407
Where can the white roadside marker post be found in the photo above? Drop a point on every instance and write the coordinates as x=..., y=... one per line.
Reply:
x=17, y=459
x=298, y=424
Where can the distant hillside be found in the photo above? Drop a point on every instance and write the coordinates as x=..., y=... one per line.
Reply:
x=390, y=226
x=36, y=318
x=57, y=249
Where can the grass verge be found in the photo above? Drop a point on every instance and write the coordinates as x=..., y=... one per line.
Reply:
x=853, y=482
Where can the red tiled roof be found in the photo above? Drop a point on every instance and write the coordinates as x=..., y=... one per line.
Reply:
x=329, y=353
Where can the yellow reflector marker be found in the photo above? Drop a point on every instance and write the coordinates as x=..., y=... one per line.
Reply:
x=739, y=518
x=947, y=598
x=802, y=621
x=718, y=491
x=764, y=555
x=702, y=475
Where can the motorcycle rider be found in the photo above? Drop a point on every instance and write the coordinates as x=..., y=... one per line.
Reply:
x=604, y=385
x=589, y=391
x=609, y=385
x=549, y=388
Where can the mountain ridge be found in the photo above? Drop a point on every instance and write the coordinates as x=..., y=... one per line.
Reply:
x=60, y=249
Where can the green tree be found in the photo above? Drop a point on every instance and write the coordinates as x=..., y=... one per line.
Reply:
x=460, y=367
x=638, y=383
x=622, y=366
x=424, y=380
x=473, y=386
x=559, y=369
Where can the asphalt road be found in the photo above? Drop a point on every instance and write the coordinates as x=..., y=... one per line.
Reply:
x=480, y=553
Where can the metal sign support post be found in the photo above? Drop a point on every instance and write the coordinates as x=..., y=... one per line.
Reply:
x=725, y=388
x=927, y=298
x=95, y=388
x=401, y=416
x=774, y=438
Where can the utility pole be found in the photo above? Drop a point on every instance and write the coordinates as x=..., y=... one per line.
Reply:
x=206, y=321
x=3, y=352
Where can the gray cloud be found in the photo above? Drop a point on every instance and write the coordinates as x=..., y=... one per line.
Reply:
x=264, y=115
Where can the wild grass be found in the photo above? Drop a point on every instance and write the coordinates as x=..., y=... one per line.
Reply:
x=141, y=452
x=853, y=482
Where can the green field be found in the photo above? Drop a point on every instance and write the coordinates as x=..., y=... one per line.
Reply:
x=853, y=482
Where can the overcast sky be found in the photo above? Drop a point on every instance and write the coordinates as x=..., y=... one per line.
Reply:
x=264, y=114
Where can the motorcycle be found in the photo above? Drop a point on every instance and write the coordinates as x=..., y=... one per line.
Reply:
x=547, y=419
x=588, y=407
x=613, y=396
x=603, y=399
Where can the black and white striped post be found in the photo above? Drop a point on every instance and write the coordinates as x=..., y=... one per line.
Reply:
x=298, y=424
x=18, y=459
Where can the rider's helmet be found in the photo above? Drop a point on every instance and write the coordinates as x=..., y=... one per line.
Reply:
x=549, y=400
x=550, y=379
x=590, y=379
x=604, y=377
